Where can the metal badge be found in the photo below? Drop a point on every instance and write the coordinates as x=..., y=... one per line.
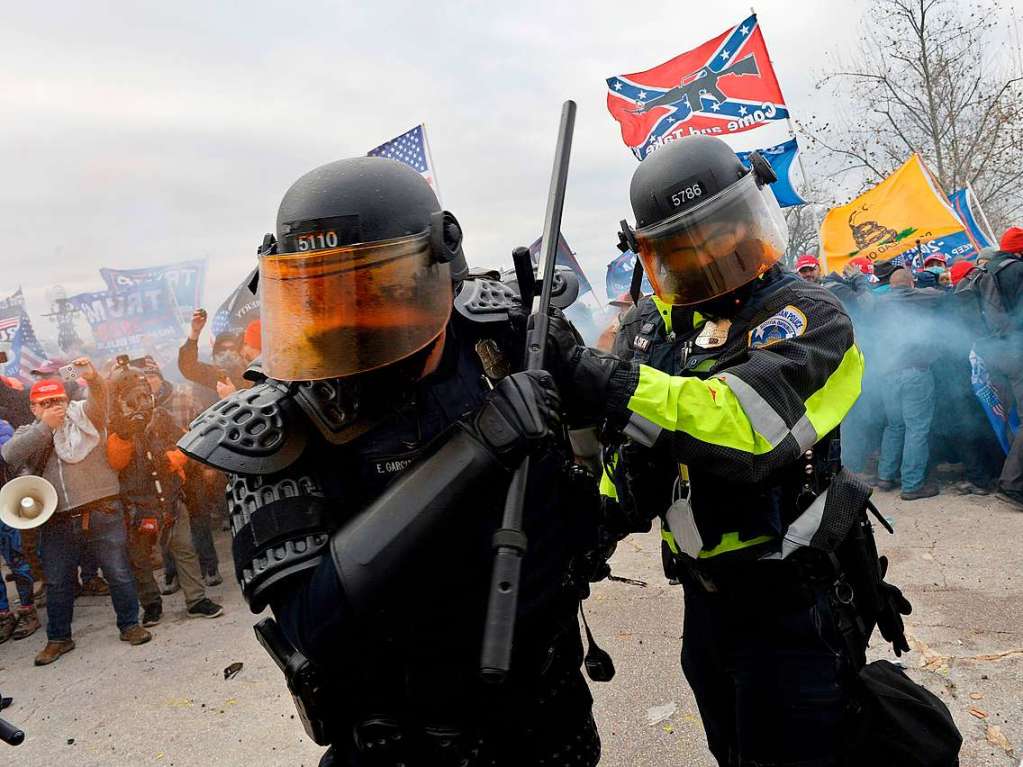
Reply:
x=713, y=334
x=495, y=365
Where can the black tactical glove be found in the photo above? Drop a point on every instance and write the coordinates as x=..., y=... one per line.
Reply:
x=522, y=411
x=889, y=617
x=644, y=479
x=596, y=385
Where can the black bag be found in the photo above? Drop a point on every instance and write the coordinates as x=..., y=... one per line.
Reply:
x=894, y=722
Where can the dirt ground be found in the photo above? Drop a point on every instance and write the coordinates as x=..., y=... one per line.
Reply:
x=167, y=703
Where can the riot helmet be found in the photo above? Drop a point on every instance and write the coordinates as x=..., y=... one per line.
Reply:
x=360, y=273
x=705, y=224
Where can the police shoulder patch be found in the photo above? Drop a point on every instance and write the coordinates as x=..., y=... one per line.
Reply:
x=788, y=322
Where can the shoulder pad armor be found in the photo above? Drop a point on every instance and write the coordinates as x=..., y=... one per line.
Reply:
x=331, y=408
x=254, y=431
x=485, y=300
x=564, y=288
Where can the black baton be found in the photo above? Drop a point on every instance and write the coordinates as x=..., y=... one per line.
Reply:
x=510, y=540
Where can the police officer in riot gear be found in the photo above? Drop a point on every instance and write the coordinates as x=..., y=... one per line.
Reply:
x=367, y=472
x=726, y=390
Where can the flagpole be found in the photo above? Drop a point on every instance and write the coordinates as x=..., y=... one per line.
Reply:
x=433, y=167
x=987, y=224
x=802, y=169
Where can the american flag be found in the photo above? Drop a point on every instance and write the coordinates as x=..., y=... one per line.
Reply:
x=25, y=353
x=411, y=148
x=1005, y=425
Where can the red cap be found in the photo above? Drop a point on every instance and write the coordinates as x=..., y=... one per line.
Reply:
x=624, y=299
x=960, y=269
x=806, y=261
x=12, y=383
x=863, y=263
x=46, y=390
x=941, y=258
x=1012, y=240
x=253, y=335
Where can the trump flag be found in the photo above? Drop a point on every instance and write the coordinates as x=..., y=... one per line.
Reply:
x=726, y=86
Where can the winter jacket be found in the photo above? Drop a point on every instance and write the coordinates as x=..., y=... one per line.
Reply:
x=77, y=484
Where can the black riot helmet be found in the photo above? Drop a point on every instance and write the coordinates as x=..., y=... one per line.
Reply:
x=360, y=275
x=705, y=224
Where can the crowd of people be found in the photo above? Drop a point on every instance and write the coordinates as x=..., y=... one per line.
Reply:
x=104, y=436
x=930, y=331
x=927, y=335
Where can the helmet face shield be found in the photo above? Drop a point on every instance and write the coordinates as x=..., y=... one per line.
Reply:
x=714, y=247
x=344, y=311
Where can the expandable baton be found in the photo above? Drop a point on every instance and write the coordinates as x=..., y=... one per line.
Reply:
x=510, y=541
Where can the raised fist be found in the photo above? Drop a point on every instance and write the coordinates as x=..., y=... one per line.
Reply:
x=198, y=323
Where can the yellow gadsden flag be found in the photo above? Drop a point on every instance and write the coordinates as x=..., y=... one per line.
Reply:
x=890, y=219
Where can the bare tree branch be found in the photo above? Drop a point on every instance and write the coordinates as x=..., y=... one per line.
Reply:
x=935, y=84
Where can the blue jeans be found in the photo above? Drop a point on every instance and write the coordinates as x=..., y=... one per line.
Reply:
x=908, y=397
x=12, y=554
x=861, y=429
x=90, y=568
x=107, y=540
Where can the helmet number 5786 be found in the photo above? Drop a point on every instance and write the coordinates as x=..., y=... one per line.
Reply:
x=686, y=194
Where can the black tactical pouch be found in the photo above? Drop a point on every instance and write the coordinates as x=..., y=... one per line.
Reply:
x=834, y=540
x=894, y=722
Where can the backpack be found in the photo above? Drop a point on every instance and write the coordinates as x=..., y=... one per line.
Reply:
x=983, y=298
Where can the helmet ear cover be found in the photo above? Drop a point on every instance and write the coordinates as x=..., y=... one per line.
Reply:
x=762, y=169
x=445, y=236
x=627, y=238
x=268, y=246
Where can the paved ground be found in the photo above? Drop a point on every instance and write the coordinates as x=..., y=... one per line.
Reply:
x=167, y=703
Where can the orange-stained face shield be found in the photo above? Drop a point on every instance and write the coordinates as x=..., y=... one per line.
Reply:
x=339, y=312
x=714, y=247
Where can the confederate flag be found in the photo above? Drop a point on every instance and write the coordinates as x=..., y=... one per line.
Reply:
x=727, y=85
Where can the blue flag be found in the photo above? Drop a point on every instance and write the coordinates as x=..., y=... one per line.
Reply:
x=564, y=257
x=238, y=310
x=137, y=321
x=619, y=276
x=185, y=278
x=780, y=157
x=1004, y=423
x=962, y=201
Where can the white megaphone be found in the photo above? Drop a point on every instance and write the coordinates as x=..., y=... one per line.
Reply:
x=27, y=502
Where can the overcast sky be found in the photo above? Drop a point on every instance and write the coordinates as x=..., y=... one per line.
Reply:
x=137, y=133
